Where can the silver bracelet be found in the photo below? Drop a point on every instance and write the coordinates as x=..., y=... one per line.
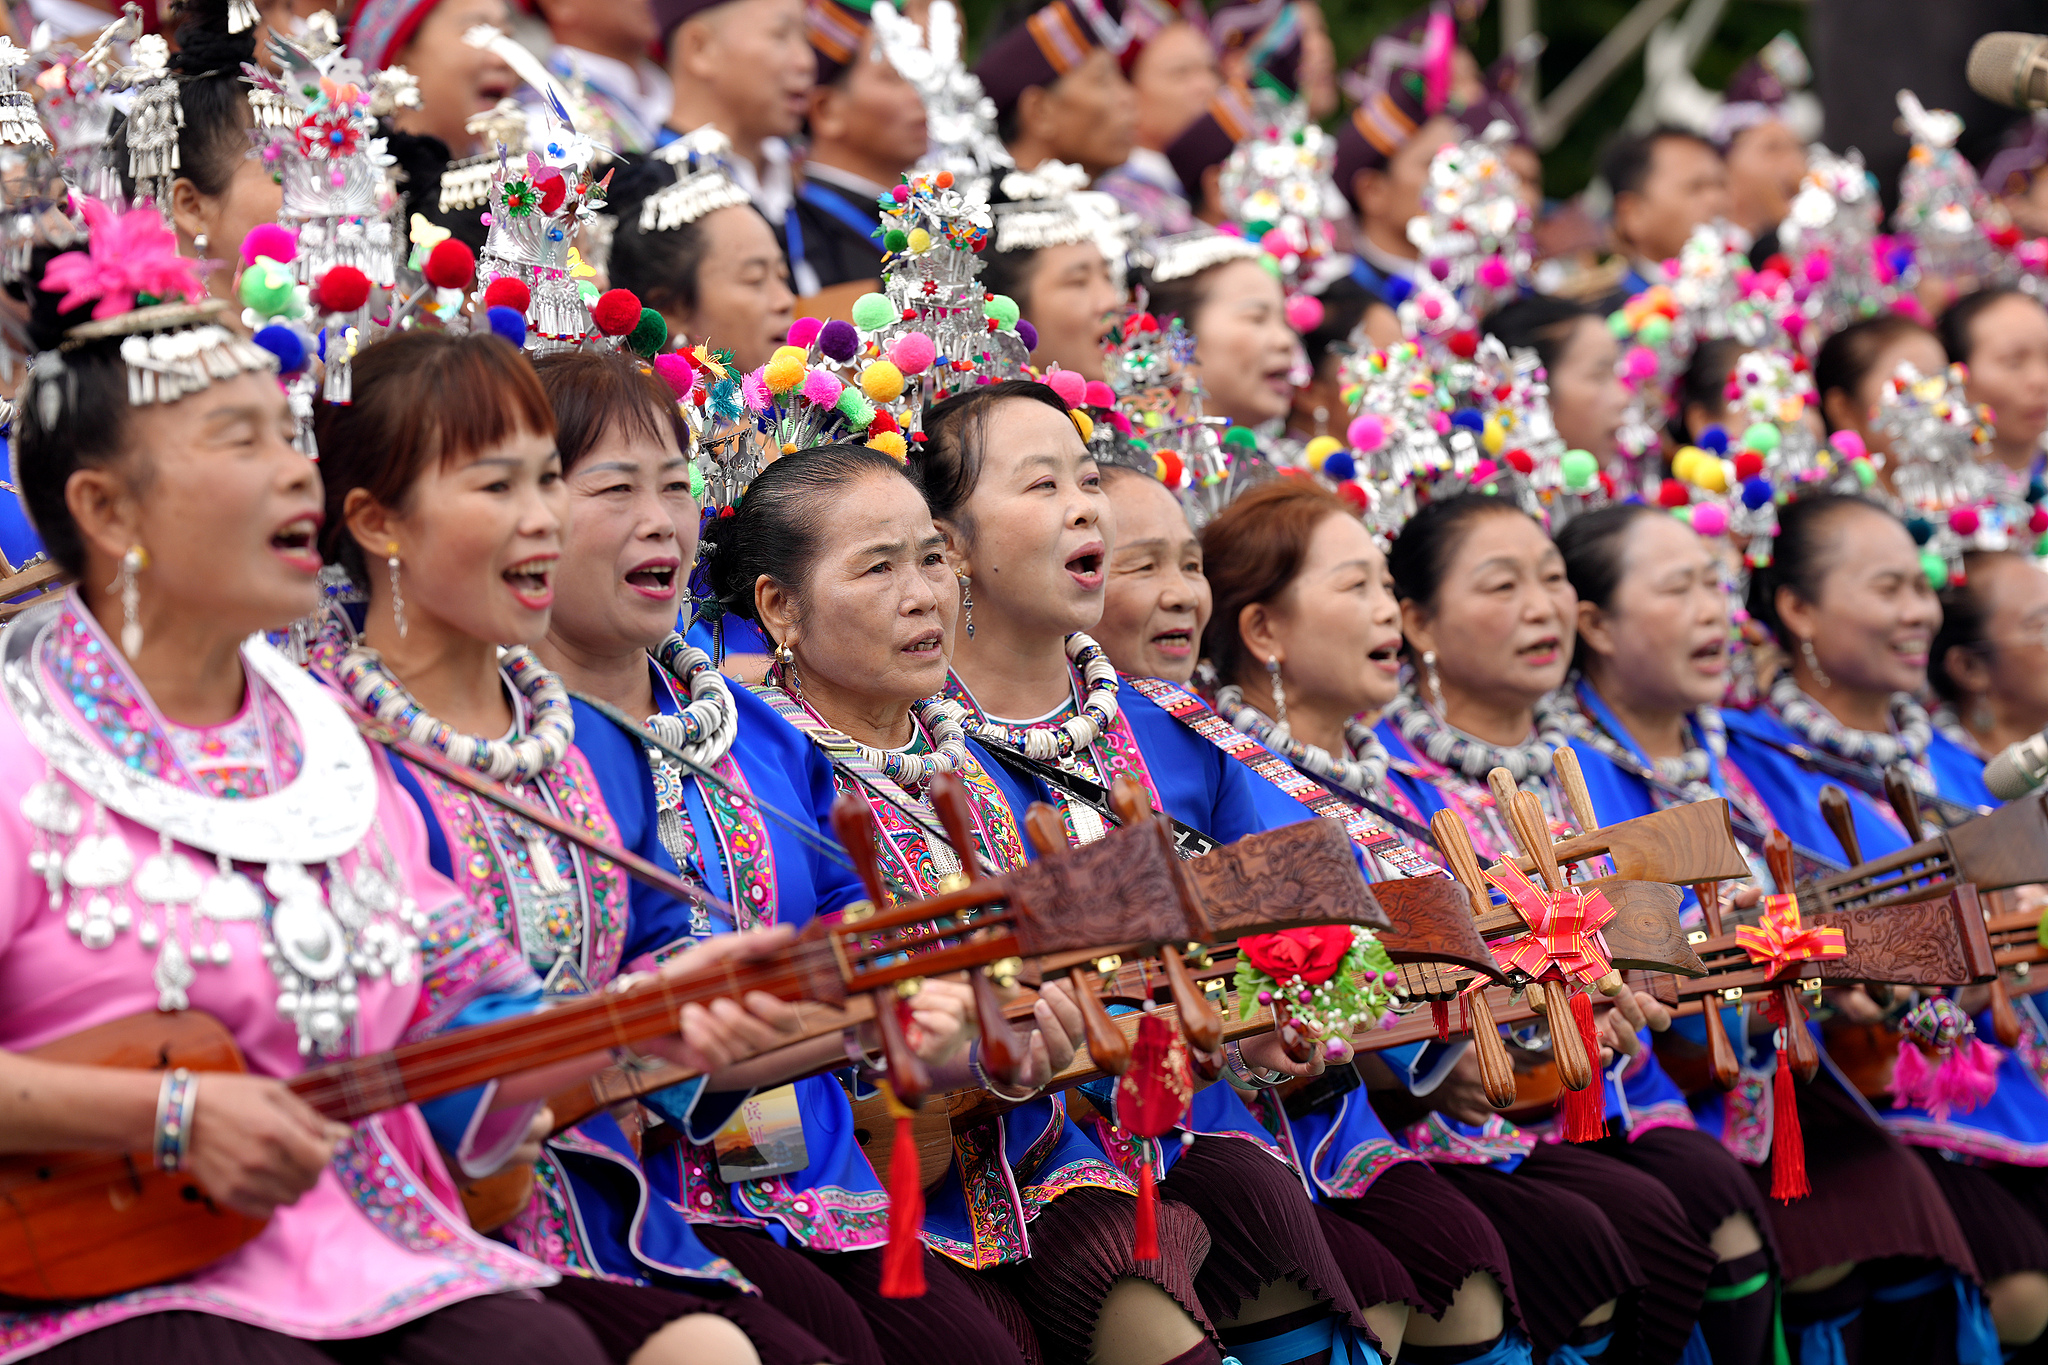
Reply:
x=1249, y=1077
x=982, y=1078
x=175, y=1100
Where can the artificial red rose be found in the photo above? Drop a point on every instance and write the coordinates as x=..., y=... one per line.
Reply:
x=1311, y=954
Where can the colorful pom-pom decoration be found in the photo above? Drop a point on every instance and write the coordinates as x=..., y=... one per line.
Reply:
x=1168, y=466
x=508, y=324
x=856, y=409
x=280, y=244
x=508, y=291
x=1848, y=445
x=882, y=381
x=1964, y=521
x=1319, y=449
x=450, y=265
x=785, y=371
x=616, y=312
x=1710, y=519
x=1756, y=492
x=268, y=288
x=820, y=386
x=1367, y=432
x=1760, y=437
x=1748, y=464
x=647, y=339
x=1579, y=469
x=913, y=352
x=803, y=332
x=286, y=344
x=1241, y=438
x=1936, y=569
x=678, y=373
x=838, y=341
x=1027, y=334
x=892, y=444
x=1069, y=385
x=1354, y=493
x=872, y=312
x=343, y=289
x=1340, y=466
x=1520, y=460
x=1002, y=309
x=1304, y=312
x=1098, y=395
x=1715, y=438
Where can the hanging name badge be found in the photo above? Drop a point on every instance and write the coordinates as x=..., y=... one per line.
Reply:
x=763, y=1138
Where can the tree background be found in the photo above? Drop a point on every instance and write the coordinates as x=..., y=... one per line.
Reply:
x=1574, y=28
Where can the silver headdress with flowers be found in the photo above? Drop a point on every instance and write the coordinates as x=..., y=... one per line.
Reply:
x=1942, y=207
x=960, y=119
x=1190, y=253
x=1278, y=186
x=33, y=195
x=1473, y=234
x=1953, y=497
x=1830, y=233
x=535, y=213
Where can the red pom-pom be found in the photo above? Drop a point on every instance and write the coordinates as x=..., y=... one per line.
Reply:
x=883, y=422
x=343, y=289
x=1748, y=465
x=553, y=189
x=1464, y=345
x=508, y=291
x=451, y=265
x=1353, y=492
x=2038, y=522
x=1520, y=461
x=1671, y=493
x=616, y=312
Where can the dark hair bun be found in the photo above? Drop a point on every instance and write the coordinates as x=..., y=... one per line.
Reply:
x=720, y=548
x=205, y=47
x=46, y=322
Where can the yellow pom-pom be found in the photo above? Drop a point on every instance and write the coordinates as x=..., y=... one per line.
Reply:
x=1492, y=437
x=1319, y=450
x=1083, y=423
x=785, y=371
x=920, y=241
x=882, y=382
x=1684, y=463
x=890, y=443
x=1710, y=474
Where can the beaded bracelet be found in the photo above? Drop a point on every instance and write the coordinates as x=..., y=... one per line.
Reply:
x=174, y=1103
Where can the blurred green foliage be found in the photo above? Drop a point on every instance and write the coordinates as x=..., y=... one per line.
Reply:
x=1574, y=28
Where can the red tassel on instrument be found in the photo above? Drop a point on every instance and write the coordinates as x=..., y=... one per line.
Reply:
x=1788, y=1143
x=903, y=1258
x=1146, y=1245
x=1440, y=1014
x=1585, y=1111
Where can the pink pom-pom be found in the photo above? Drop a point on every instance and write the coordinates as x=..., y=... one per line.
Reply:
x=1432, y=308
x=1484, y=470
x=280, y=244
x=1964, y=521
x=1304, y=312
x=1963, y=1080
x=1069, y=385
x=1817, y=267
x=1848, y=445
x=1367, y=432
x=1123, y=425
x=913, y=353
x=678, y=373
x=1098, y=395
x=1642, y=363
x=1710, y=519
x=754, y=391
x=1495, y=274
x=804, y=331
x=1441, y=422
x=822, y=388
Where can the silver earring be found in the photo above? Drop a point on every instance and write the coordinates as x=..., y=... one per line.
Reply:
x=132, y=563
x=783, y=668
x=397, y=597
x=967, y=603
x=1431, y=681
x=1820, y=675
x=1279, y=693
x=199, y=242
x=1982, y=718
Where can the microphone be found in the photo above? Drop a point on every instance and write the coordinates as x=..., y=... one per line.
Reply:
x=2010, y=69
x=2019, y=768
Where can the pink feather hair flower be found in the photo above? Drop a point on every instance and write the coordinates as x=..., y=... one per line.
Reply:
x=126, y=255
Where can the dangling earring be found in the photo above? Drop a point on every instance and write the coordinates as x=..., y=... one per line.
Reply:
x=1820, y=675
x=199, y=243
x=1322, y=416
x=397, y=597
x=1431, y=681
x=1279, y=693
x=1982, y=718
x=967, y=603
x=782, y=670
x=132, y=563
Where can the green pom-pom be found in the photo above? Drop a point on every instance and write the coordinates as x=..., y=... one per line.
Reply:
x=1579, y=468
x=1761, y=437
x=855, y=406
x=1269, y=265
x=1866, y=474
x=650, y=336
x=1003, y=309
x=895, y=240
x=586, y=291
x=1243, y=438
x=1256, y=229
x=696, y=482
x=1617, y=323
x=1656, y=331
x=1936, y=569
x=872, y=312
x=268, y=288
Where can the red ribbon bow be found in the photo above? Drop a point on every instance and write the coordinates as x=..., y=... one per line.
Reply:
x=1564, y=928
x=1781, y=942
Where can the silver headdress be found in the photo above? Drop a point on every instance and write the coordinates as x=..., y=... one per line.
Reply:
x=1278, y=185
x=1190, y=253
x=701, y=187
x=960, y=120
x=1942, y=207
x=32, y=194
x=154, y=117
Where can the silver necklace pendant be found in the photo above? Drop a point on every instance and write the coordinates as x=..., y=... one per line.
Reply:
x=167, y=877
x=98, y=864
x=53, y=813
x=309, y=953
x=231, y=897
x=173, y=975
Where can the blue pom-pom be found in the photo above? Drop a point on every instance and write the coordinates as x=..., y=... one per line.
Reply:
x=509, y=324
x=1756, y=492
x=1900, y=258
x=1469, y=419
x=1340, y=466
x=1715, y=438
x=1921, y=529
x=1028, y=333
x=2036, y=490
x=837, y=340
x=284, y=343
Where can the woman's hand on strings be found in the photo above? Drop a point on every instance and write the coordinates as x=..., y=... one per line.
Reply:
x=713, y=1035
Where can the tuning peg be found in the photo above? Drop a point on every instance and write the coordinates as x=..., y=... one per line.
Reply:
x=1798, y=1042
x=854, y=822
x=1898, y=789
x=1574, y=1067
x=1106, y=1042
x=908, y=1076
x=1834, y=808
x=1532, y=831
x=1129, y=799
x=1778, y=855
x=1573, y=780
x=1496, y=1069
x=1198, y=1017
x=1501, y=783
x=1720, y=1052
x=1046, y=830
x=1456, y=843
